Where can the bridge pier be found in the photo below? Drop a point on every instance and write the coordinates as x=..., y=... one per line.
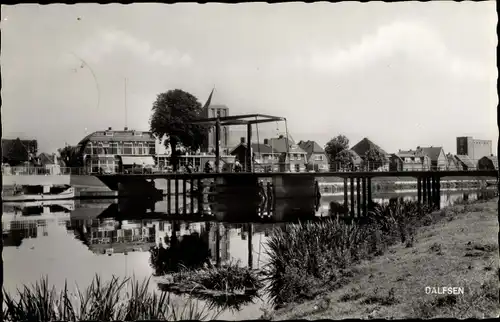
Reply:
x=369, y=183
x=346, y=194
x=365, y=210
x=352, y=197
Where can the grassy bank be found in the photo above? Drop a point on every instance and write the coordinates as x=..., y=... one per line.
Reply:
x=116, y=300
x=377, y=276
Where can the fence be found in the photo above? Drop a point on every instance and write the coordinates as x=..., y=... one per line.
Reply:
x=265, y=168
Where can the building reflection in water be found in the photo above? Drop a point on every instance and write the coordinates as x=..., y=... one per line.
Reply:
x=32, y=220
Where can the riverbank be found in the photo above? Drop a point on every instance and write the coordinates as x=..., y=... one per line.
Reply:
x=459, y=251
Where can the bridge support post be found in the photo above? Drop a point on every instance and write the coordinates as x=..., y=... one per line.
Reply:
x=365, y=209
x=424, y=189
x=249, y=149
x=358, y=197
x=217, y=246
x=419, y=190
x=429, y=192
x=438, y=192
x=346, y=200
x=352, y=197
x=369, y=184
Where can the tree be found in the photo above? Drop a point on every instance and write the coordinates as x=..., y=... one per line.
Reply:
x=70, y=156
x=335, y=146
x=172, y=113
x=374, y=159
x=345, y=158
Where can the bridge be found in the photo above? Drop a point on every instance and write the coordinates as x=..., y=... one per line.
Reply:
x=248, y=187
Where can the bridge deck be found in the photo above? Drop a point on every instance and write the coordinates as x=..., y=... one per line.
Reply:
x=415, y=174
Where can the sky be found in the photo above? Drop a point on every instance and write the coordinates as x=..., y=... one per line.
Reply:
x=402, y=74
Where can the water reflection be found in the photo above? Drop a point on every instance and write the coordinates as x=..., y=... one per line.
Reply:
x=76, y=239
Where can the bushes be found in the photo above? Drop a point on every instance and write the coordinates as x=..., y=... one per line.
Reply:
x=102, y=302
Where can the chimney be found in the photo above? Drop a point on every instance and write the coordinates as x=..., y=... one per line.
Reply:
x=126, y=128
x=242, y=140
x=266, y=141
x=109, y=128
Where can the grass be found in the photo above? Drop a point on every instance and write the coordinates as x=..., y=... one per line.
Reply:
x=115, y=300
x=392, y=285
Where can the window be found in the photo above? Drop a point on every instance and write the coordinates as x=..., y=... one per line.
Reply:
x=291, y=156
x=127, y=148
x=109, y=133
x=139, y=148
x=105, y=148
x=95, y=148
x=318, y=157
x=113, y=148
x=297, y=156
x=88, y=148
x=145, y=149
x=152, y=149
x=197, y=162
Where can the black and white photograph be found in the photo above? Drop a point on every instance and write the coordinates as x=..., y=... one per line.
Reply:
x=249, y=161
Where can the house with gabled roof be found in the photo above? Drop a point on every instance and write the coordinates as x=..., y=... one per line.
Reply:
x=292, y=157
x=438, y=158
x=265, y=158
x=410, y=160
x=466, y=162
x=363, y=146
x=316, y=158
x=453, y=163
x=488, y=163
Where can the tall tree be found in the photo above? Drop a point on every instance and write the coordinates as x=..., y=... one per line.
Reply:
x=335, y=146
x=374, y=159
x=345, y=159
x=70, y=156
x=172, y=113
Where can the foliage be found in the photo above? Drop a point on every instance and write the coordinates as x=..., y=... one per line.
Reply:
x=345, y=158
x=70, y=156
x=111, y=301
x=374, y=159
x=335, y=146
x=14, y=152
x=172, y=113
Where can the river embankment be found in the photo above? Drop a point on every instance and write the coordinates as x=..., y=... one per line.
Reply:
x=449, y=270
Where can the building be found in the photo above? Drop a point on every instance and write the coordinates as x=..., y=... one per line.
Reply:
x=488, y=163
x=466, y=163
x=411, y=160
x=438, y=158
x=210, y=142
x=265, y=158
x=316, y=158
x=453, y=163
x=114, y=151
x=365, y=145
x=16, y=151
x=473, y=148
x=291, y=157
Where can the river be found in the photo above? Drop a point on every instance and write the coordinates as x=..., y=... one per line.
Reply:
x=68, y=241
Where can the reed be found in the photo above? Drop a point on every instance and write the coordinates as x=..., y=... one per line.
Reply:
x=111, y=301
x=229, y=278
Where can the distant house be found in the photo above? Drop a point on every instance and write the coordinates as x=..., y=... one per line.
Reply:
x=453, y=163
x=438, y=158
x=364, y=146
x=316, y=158
x=16, y=151
x=465, y=162
x=291, y=157
x=488, y=163
x=411, y=160
x=264, y=156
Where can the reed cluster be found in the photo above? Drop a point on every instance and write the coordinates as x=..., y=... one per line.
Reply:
x=230, y=278
x=116, y=300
